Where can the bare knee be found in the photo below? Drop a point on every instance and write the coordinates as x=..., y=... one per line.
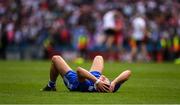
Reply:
x=98, y=57
x=55, y=58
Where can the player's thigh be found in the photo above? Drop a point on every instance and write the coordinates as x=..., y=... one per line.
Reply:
x=71, y=80
x=98, y=64
x=61, y=66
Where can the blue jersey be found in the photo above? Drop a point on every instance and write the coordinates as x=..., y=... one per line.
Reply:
x=72, y=83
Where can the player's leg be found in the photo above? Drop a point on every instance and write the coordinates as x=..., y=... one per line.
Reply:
x=133, y=53
x=52, y=81
x=119, y=80
x=109, y=42
x=144, y=51
x=98, y=64
x=58, y=66
x=134, y=49
x=53, y=73
x=96, y=67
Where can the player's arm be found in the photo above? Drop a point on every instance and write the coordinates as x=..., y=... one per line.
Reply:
x=84, y=74
x=124, y=76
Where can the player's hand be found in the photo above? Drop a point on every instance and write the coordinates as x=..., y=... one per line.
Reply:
x=102, y=87
x=112, y=86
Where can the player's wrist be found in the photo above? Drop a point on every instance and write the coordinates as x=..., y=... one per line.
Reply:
x=112, y=83
x=97, y=82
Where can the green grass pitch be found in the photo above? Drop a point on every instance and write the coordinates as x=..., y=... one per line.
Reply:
x=150, y=83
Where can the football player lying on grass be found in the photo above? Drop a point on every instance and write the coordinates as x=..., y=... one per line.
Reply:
x=83, y=80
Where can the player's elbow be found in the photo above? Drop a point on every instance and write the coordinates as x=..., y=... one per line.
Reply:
x=128, y=73
x=79, y=70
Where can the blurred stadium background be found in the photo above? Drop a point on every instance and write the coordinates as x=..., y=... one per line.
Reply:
x=122, y=30
x=127, y=33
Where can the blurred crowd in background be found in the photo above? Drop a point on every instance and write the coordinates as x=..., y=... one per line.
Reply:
x=124, y=30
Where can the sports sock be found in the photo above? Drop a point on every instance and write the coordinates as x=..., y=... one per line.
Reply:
x=51, y=84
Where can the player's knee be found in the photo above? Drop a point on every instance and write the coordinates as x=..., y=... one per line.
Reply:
x=55, y=57
x=98, y=57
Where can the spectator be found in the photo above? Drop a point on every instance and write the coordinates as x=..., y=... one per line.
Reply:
x=138, y=37
x=52, y=25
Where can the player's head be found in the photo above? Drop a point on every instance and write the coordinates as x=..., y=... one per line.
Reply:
x=105, y=79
